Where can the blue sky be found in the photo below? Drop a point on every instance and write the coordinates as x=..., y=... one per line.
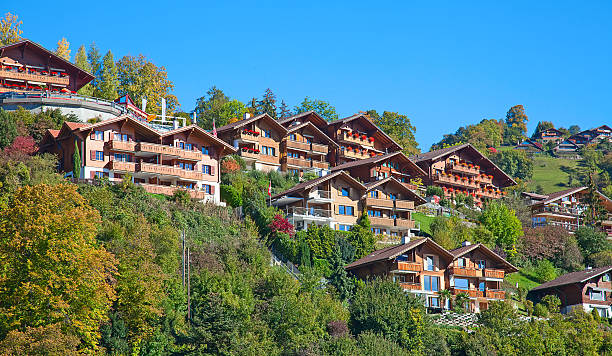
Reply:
x=444, y=64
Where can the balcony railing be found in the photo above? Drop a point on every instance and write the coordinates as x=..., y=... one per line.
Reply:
x=34, y=77
x=354, y=154
x=456, y=181
x=299, y=162
x=122, y=166
x=319, y=194
x=562, y=210
x=305, y=146
x=349, y=137
x=494, y=194
x=320, y=164
x=250, y=136
x=410, y=285
x=495, y=294
x=466, y=272
x=407, y=266
x=310, y=212
x=405, y=223
x=155, y=169
x=319, y=148
x=486, y=179
x=380, y=221
x=472, y=293
x=188, y=174
x=494, y=273
x=404, y=205
x=115, y=145
x=249, y=154
x=167, y=150
x=465, y=169
x=377, y=202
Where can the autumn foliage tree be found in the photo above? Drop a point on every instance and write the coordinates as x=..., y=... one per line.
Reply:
x=10, y=29
x=53, y=269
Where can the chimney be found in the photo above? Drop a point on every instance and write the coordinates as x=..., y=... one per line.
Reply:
x=247, y=115
x=176, y=124
x=466, y=243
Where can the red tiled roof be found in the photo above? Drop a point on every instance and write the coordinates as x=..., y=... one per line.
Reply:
x=54, y=133
x=75, y=125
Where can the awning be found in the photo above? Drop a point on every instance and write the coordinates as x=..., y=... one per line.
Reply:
x=285, y=200
x=36, y=83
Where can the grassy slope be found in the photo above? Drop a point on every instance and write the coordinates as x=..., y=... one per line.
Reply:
x=549, y=173
x=424, y=220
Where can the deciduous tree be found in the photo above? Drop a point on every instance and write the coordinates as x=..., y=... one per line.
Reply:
x=109, y=83
x=504, y=225
x=516, y=122
x=10, y=29
x=321, y=107
x=63, y=48
x=397, y=126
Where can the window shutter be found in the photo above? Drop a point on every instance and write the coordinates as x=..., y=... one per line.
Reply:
x=212, y=170
x=92, y=135
x=92, y=155
x=92, y=174
x=212, y=189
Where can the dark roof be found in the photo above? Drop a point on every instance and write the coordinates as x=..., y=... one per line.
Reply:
x=314, y=182
x=418, y=200
x=532, y=143
x=88, y=77
x=312, y=113
x=389, y=253
x=535, y=195
x=458, y=252
x=203, y=132
x=372, y=125
x=376, y=159
x=558, y=195
x=240, y=123
x=435, y=154
x=551, y=129
x=315, y=128
x=574, y=277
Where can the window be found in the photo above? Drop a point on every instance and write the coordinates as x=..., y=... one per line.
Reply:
x=481, y=264
x=205, y=150
x=207, y=188
x=293, y=137
x=431, y=283
x=598, y=295
x=376, y=231
x=99, y=174
x=346, y=192
x=461, y=262
x=602, y=312
x=429, y=263
x=99, y=135
x=206, y=169
x=377, y=213
x=345, y=210
x=481, y=286
x=186, y=166
x=124, y=137
x=181, y=144
x=462, y=283
x=295, y=171
x=374, y=194
x=434, y=302
x=392, y=196
x=269, y=151
x=99, y=156
x=343, y=227
x=266, y=133
x=123, y=157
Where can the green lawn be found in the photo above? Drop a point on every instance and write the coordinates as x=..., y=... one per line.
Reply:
x=549, y=173
x=524, y=280
x=424, y=220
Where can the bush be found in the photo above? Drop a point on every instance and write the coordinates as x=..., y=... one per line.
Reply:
x=591, y=241
x=552, y=302
x=434, y=190
x=554, y=244
x=601, y=259
x=231, y=195
x=545, y=271
x=540, y=310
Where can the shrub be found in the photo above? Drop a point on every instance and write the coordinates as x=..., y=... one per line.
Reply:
x=545, y=271
x=552, y=243
x=540, y=310
x=601, y=259
x=231, y=195
x=591, y=241
x=280, y=224
x=434, y=190
x=552, y=302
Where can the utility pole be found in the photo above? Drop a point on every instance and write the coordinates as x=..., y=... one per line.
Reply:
x=183, y=261
x=188, y=287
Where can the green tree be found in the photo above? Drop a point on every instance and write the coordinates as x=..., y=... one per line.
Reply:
x=321, y=107
x=267, y=104
x=595, y=212
x=574, y=129
x=76, y=161
x=8, y=129
x=591, y=241
x=80, y=60
x=53, y=271
x=381, y=306
x=95, y=63
x=504, y=225
x=516, y=122
x=362, y=237
x=10, y=29
x=109, y=83
x=545, y=271
x=515, y=163
x=541, y=127
x=283, y=110
x=397, y=126
x=217, y=106
x=141, y=78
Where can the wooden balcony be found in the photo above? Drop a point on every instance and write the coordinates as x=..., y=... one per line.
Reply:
x=298, y=162
x=405, y=223
x=249, y=137
x=495, y=294
x=483, y=178
x=410, y=285
x=449, y=179
x=380, y=221
x=124, y=146
x=296, y=145
x=155, y=169
x=493, y=194
x=407, y=266
x=494, y=273
x=404, y=205
x=167, y=190
x=247, y=154
x=318, y=148
x=381, y=203
x=465, y=169
x=320, y=164
x=472, y=293
x=34, y=77
x=352, y=154
x=187, y=174
x=348, y=137
x=121, y=166
x=166, y=150
x=465, y=272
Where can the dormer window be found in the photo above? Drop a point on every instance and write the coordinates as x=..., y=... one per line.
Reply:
x=606, y=277
x=461, y=262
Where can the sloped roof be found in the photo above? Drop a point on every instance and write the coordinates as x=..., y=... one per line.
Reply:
x=418, y=200
x=532, y=143
x=458, y=252
x=314, y=182
x=435, y=154
x=369, y=122
x=574, y=277
x=203, y=132
x=558, y=195
x=53, y=133
x=551, y=129
x=389, y=253
x=376, y=159
x=534, y=195
x=313, y=114
x=291, y=129
x=243, y=122
x=75, y=125
x=126, y=118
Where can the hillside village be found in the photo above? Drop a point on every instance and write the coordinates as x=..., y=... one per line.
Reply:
x=205, y=239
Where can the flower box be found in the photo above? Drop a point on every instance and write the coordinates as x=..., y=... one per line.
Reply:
x=64, y=74
x=349, y=148
x=372, y=154
x=44, y=72
x=371, y=139
x=355, y=135
x=364, y=137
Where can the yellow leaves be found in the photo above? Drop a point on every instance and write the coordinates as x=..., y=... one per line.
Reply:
x=63, y=49
x=10, y=30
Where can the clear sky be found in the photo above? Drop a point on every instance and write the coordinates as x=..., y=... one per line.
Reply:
x=444, y=64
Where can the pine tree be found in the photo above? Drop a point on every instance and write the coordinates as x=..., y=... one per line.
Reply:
x=80, y=60
x=76, y=161
x=595, y=212
x=63, y=48
x=109, y=81
x=267, y=104
x=93, y=56
x=283, y=110
x=253, y=107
